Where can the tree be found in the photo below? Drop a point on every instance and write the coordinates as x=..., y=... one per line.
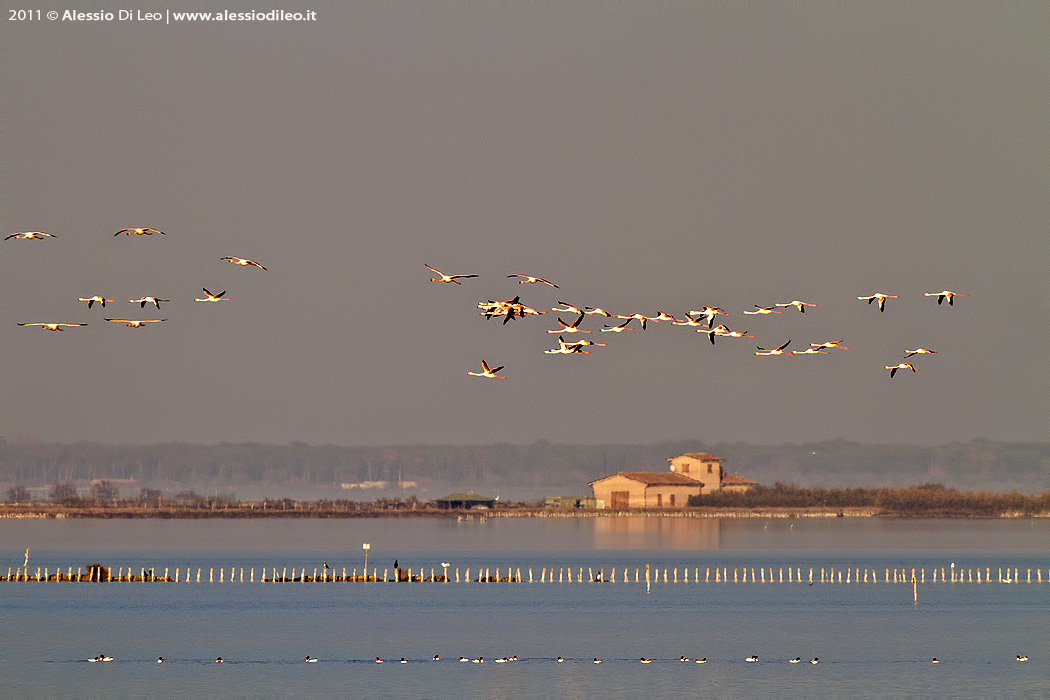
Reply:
x=104, y=491
x=150, y=497
x=63, y=492
x=18, y=494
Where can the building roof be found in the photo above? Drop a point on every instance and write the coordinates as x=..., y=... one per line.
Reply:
x=734, y=480
x=657, y=478
x=702, y=456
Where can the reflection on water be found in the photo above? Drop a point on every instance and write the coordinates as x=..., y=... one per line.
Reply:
x=508, y=535
x=656, y=533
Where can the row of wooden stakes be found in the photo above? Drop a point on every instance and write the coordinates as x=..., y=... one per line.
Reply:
x=96, y=573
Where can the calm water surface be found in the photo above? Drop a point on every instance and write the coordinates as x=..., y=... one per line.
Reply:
x=871, y=639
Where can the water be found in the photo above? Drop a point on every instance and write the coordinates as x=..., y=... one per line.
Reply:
x=870, y=638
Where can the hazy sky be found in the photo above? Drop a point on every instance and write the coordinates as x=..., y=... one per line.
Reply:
x=643, y=156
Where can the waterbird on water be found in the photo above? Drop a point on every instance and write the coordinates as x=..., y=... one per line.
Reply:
x=311, y=659
x=751, y=659
x=1021, y=657
x=815, y=660
x=160, y=659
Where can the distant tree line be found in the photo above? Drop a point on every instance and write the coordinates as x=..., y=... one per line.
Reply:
x=925, y=500
x=976, y=464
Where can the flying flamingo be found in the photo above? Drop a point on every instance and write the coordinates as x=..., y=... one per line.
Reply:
x=811, y=351
x=800, y=305
x=29, y=235
x=446, y=278
x=881, y=299
x=709, y=312
x=594, y=310
x=573, y=327
x=640, y=318
x=529, y=279
x=829, y=345
x=52, y=326
x=775, y=351
x=244, y=262
x=136, y=324
x=139, y=232
x=569, y=309
x=92, y=300
x=722, y=330
x=904, y=365
x=487, y=371
x=213, y=297
x=764, y=310
x=617, y=329
x=941, y=296
x=148, y=300
x=919, y=351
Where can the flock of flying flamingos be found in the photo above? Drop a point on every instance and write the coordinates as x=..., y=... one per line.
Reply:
x=142, y=301
x=702, y=321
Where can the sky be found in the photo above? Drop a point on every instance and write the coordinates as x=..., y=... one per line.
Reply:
x=642, y=156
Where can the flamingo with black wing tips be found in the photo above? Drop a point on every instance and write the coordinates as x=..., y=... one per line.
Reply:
x=573, y=327
x=213, y=297
x=919, y=351
x=567, y=348
x=830, y=344
x=136, y=323
x=139, y=232
x=640, y=317
x=904, y=365
x=487, y=372
x=569, y=309
x=800, y=305
x=723, y=331
x=52, y=326
x=811, y=351
x=775, y=351
x=92, y=300
x=617, y=329
x=244, y=262
x=595, y=311
x=688, y=321
x=529, y=279
x=148, y=300
x=30, y=235
x=941, y=296
x=881, y=298
x=661, y=316
x=446, y=278
x=709, y=313
x=764, y=310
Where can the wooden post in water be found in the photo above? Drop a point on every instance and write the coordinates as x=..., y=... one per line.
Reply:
x=647, y=582
x=222, y=574
x=707, y=577
x=915, y=588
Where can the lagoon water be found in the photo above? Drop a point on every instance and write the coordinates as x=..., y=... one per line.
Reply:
x=872, y=641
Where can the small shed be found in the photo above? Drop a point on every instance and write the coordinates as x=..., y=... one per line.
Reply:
x=464, y=500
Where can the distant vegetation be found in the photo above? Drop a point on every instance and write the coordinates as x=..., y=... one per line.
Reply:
x=928, y=500
x=515, y=471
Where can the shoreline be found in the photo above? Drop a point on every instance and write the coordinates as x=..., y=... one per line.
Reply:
x=43, y=512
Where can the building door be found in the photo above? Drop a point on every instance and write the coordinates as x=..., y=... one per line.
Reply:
x=619, y=499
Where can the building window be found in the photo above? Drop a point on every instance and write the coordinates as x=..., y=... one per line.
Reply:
x=659, y=500
x=709, y=468
x=672, y=500
x=685, y=468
